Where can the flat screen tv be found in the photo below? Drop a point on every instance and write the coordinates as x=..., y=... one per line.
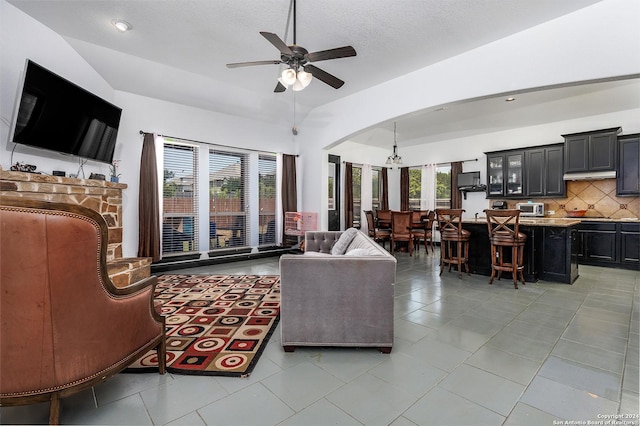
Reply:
x=468, y=179
x=56, y=114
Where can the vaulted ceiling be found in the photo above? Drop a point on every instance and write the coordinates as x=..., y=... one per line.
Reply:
x=177, y=51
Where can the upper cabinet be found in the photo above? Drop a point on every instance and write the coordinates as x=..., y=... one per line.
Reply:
x=544, y=166
x=593, y=151
x=628, y=182
x=505, y=173
x=531, y=172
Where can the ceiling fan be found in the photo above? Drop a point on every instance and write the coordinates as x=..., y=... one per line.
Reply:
x=300, y=72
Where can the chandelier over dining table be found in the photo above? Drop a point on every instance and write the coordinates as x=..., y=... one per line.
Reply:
x=394, y=158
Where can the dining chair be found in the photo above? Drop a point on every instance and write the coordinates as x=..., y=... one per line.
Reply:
x=378, y=235
x=424, y=233
x=401, y=230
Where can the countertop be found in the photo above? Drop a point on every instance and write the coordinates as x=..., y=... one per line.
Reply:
x=557, y=221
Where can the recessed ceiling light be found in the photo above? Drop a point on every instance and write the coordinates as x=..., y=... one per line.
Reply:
x=441, y=108
x=121, y=25
x=510, y=99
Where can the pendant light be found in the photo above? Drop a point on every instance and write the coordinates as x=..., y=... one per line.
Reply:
x=395, y=158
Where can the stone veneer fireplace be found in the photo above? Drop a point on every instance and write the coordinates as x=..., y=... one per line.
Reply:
x=101, y=196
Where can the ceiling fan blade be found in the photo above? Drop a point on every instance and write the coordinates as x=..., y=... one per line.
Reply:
x=324, y=76
x=277, y=42
x=279, y=88
x=338, y=52
x=250, y=64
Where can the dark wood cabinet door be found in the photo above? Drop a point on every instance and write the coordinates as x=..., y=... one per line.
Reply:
x=495, y=175
x=576, y=154
x=628, y=182
x=602, y=152
x=600, y=245
x=630, y=244
x=554, y=184
x=535, y=167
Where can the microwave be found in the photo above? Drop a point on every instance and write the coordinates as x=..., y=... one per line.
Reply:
x=530, y=209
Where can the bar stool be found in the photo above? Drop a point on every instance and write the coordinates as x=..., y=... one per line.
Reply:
x=504, y=231
x=454, y=241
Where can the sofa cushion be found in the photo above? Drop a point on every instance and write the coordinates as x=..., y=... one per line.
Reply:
x=360, y=241
x=340, y=247
x=363, y=252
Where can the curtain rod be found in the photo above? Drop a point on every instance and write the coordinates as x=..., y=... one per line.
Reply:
x=142, y=132
x=360, y=165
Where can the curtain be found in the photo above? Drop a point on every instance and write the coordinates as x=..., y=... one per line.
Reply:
x=428, y=183
x=456, y=195
x=148, y=202
x=384, y=197
x=404, y=188
x=348, y=195
x=366, y=196
x=289, y=186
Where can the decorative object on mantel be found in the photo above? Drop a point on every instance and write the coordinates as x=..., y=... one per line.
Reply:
x=395, y=158
x=113, y=169
x=215, y=324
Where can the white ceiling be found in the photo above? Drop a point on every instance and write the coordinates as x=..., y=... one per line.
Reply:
x=177, y=52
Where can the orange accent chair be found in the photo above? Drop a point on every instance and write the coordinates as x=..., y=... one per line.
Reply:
x=64, y=326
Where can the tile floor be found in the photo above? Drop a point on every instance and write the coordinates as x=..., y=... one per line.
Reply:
x=465, y=353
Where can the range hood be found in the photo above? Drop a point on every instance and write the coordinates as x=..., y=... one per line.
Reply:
x=590, y=175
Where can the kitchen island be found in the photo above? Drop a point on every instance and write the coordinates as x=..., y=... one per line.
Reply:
x=550, y=253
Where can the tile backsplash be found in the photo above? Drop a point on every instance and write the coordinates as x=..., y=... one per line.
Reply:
x=598, y=197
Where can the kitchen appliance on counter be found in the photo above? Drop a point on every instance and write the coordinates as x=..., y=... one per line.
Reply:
x=499, y=205
x=531, y=209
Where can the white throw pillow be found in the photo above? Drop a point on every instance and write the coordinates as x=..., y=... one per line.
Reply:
x=340, y=247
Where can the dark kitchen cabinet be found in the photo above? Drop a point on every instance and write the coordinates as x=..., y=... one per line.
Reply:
x=505, y=172
x=628, y=181
x=609, y=244
x=630, y=245
x=544, y=166
x=531, y=172
x=593, y=151
x=598, y=243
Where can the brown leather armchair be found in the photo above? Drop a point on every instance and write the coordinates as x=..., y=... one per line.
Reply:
x=64, y=326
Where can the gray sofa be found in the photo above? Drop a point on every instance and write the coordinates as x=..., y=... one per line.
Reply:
x=337, y=299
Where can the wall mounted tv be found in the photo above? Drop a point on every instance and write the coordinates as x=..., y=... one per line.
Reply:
x=468, y=180
x=57, y=115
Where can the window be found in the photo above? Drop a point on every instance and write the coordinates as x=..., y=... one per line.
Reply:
x=267, y=199
x=357, y=195
x=376, y=188
x=415, y=187
x=227, y=199
x=443, y=186
x=179, y=199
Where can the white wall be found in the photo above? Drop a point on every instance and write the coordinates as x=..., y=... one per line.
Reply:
x=596, y=42
x=600, y=41
x=21, y=37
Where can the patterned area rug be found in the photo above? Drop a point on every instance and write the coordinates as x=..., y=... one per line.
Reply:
x=215, y=324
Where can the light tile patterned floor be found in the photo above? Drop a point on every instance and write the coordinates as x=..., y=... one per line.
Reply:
x=465, y=353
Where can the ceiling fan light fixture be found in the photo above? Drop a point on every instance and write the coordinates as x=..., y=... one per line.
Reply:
x=297, y=86
x=288, y=77
x=304, y=78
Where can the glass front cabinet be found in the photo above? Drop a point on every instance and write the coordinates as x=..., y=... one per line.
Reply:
x=505, y=174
